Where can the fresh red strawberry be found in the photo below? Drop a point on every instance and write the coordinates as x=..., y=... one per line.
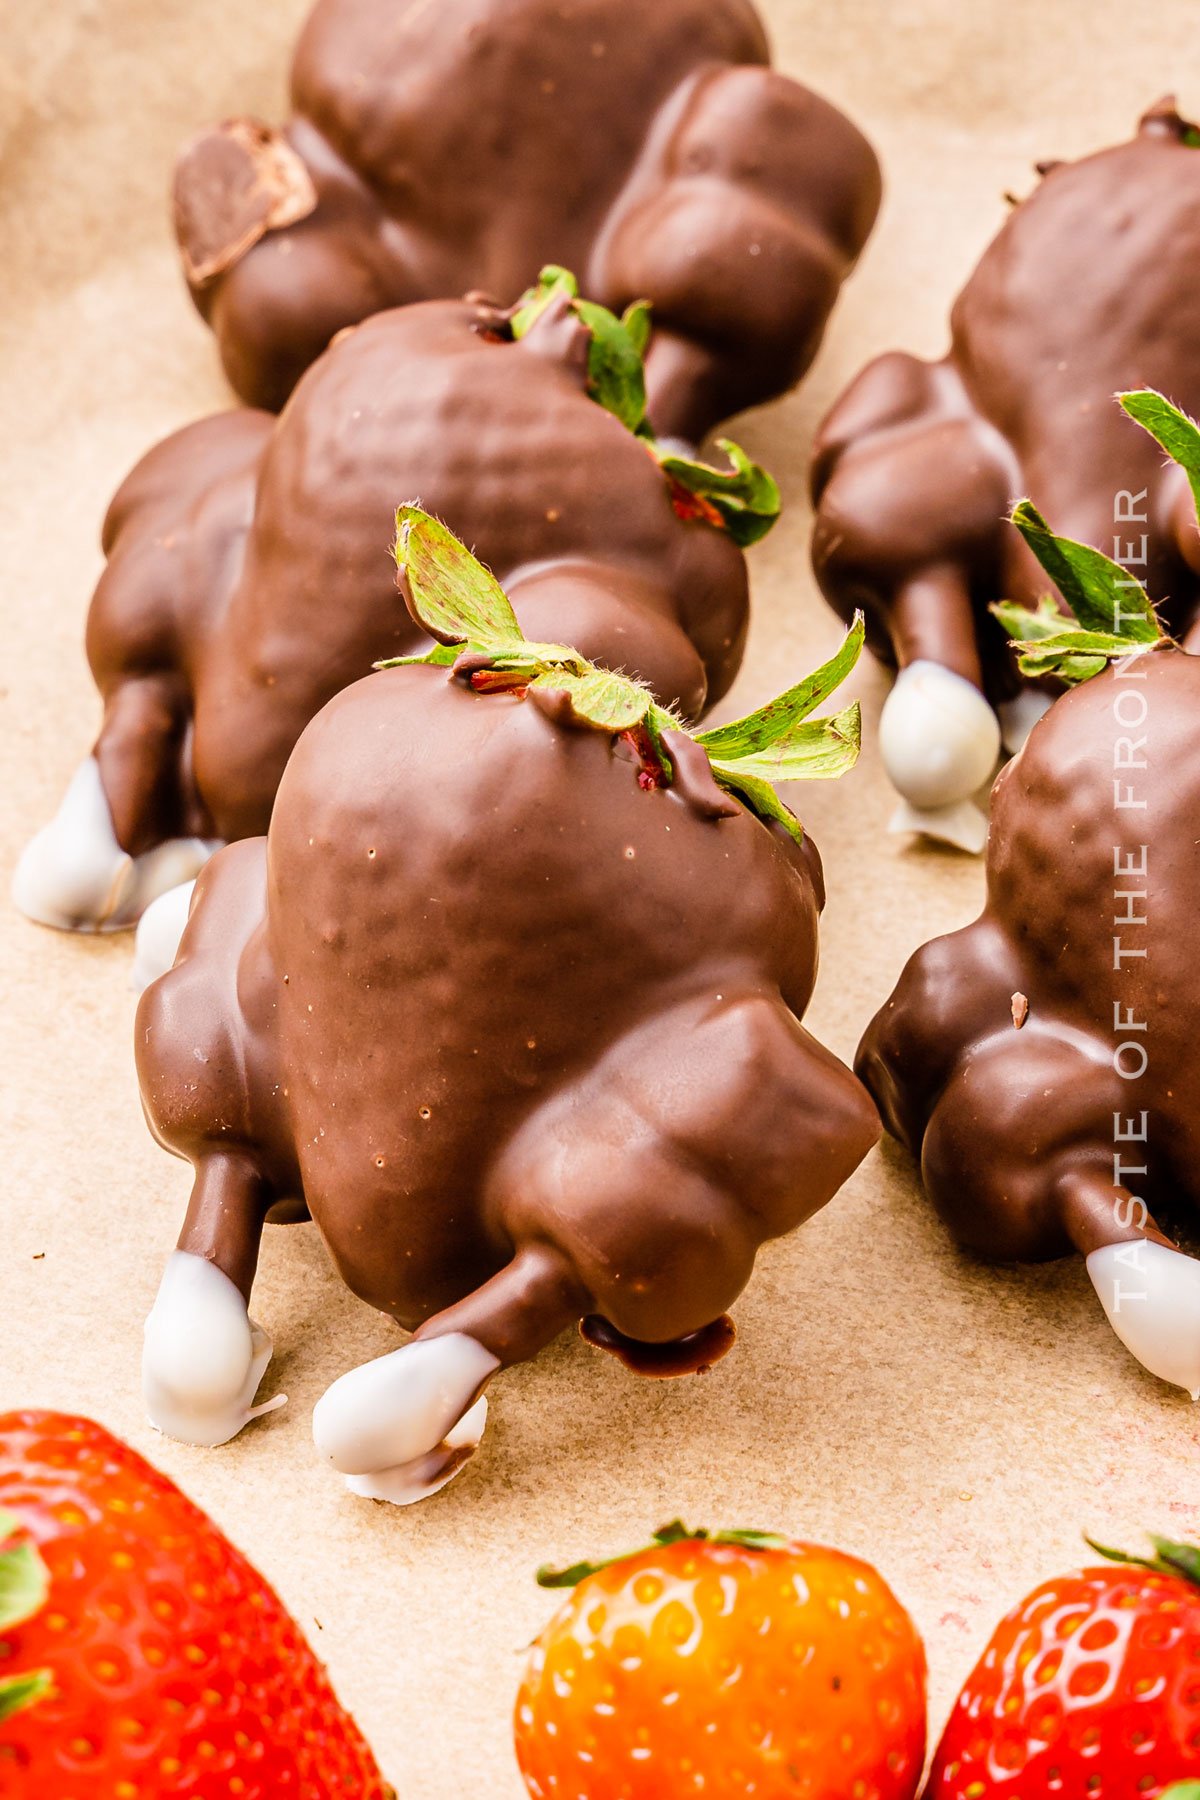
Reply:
x=141, y=1656
x=1088, y=1690
x=730, y=1663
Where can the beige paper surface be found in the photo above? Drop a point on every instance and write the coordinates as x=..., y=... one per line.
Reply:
x=958, y=1425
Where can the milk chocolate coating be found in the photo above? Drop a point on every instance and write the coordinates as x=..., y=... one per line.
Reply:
x=463, y=144
x=522, y=1035
x=1089, y=289
x=1015, y=1127
x=249, y=575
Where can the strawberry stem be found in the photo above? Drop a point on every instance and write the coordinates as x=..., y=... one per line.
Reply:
x=1180, y=1560
x=674, y=1533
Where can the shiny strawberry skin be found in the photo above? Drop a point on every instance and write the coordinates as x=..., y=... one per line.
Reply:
x=176, y=1669
x=789, y=1673
x=1089, y=1690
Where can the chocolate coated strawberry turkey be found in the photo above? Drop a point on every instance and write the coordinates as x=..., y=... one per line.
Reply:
x=509, y=1001
x=1088, y=289
x=249, y=578
x=438, y=148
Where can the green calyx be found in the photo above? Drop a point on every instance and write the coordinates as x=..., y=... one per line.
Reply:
x=24, y=1586
x=1180, y=1560
x=674, y=1533
x=742, y=499
x=1182, y=1790
x=465, y=610
x=1112, y=615
x=1178, y=435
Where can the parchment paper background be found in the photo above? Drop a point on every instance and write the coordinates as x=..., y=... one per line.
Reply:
x=958, y=1425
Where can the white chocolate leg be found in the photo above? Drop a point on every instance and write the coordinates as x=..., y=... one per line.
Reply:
x=1151, y=1294
x=158, y=933
x=1018, y=717
x=74, y=875
x=203, y=1356
x=940, y=741
x=401, y=1427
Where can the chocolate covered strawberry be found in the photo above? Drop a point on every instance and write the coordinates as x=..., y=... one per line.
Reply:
x=1089, y=288
x=509, y=999
x=724, y=1663
x=141, y=1656
x=436, y=148
x=1088, y=1690
x=1042, y=1062
x=248, y=579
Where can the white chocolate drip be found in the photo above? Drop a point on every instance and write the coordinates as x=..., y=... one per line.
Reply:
x=940, y=741
x=1151, y=1295
x=203, y=1355
x=159, y=931
x=75, y=876
x=400, y=1427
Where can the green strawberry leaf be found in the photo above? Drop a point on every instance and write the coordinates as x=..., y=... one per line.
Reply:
x=24, y=1578
x=1102, y=596
x=1183, y=1559
x=815, y=750
x=598, y=699
x=616, y=376
x=1111, y=614
x=636, y=320
x=1072, y=656
x=24, y=1586
x=439, y=656
x=744, y=497
x=534, y=656
x=1170, y=1558
x=552, y=282
x=457, y=600
x=1178, y=434
x=1026, y=623
x=1183, y=1790
x=451, y=595
x=779, y=718
x=759, y=797
x=20, y=1691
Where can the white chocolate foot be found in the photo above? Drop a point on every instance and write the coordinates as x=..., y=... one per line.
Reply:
x=940, y=741
x=75, y=876
x=1151, y=1294
x=1018, y=717
x=417, y=1480
x=158, y=933
x=401, y=1427
x=203, y=1356
x=963, y=825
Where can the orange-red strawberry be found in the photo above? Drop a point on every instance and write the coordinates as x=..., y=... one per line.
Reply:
x=730, y=1664
x=1088, y=1690
x=141, y=1656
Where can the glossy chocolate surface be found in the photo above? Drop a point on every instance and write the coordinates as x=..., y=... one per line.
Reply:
x=439, y=148
x=250, y=578
x=521, y=1033
x=1088, y=289
x=1093, y=871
